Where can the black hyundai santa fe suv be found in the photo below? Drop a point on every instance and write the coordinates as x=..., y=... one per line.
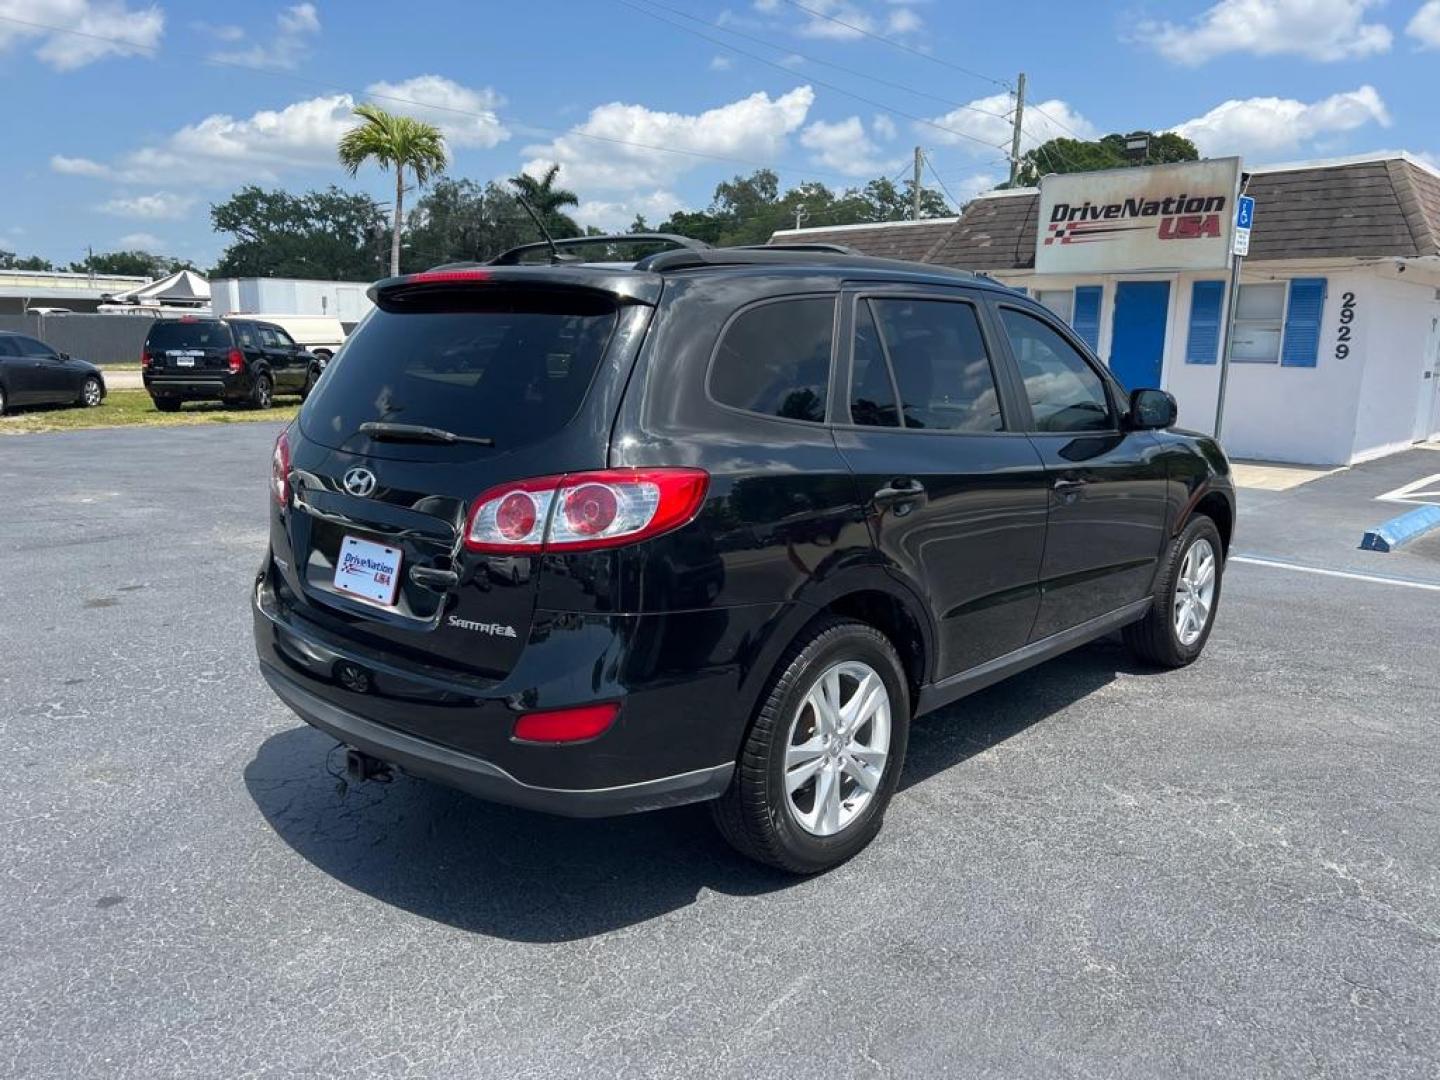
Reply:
x=233, y=359
x=715, y=525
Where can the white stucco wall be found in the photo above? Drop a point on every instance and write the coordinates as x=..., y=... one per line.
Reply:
x=1338, y=412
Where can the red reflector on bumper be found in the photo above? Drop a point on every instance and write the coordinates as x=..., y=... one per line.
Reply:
x=566, y=725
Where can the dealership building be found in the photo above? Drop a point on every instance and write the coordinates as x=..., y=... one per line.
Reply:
x=1335, y=348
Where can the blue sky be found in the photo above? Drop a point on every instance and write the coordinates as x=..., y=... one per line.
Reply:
x=122, y=132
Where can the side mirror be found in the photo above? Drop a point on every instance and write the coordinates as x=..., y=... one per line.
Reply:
x=1151, y=410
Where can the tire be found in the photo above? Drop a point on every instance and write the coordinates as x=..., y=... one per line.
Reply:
x=167, y=404
x=91, y=393
x=760, y=815
x=309, y=384
x=4, y=401
x=1157, y=638
x=262, y=394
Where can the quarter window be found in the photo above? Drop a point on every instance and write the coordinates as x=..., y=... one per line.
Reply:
x=775, y=359
x=940, y=364
x=1065, y=392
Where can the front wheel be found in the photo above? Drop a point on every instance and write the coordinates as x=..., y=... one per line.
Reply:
x=262, y=394
x=1187, y=592
x=823, y=754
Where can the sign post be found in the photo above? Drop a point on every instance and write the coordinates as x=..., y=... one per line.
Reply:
x=1244, y=220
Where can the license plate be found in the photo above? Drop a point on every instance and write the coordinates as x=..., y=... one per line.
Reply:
x=368, y=570
x=184, y=361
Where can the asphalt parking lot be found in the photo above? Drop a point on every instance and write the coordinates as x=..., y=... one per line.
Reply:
x=1092, y=870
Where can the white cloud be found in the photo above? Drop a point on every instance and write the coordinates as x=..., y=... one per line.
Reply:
x=223, y=149
x=988, y=120
x=844, y=147
x=77, y=166
x=1425, y=26
x=845, y=20
x=221, y=31
x=141, y=241
x=883, y=126
x=721, y=63
x=903, y=20
x=98, y=28
x=161, y=206
x=617, y=215
x=754, y=127
x=1317, y=29
x=294, y=29
x=466, y=117
x=1268, y=126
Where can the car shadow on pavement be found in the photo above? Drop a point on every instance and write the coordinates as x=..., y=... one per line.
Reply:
x=531, y=877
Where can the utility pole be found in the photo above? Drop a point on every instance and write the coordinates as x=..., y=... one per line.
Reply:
x=801, y=213
x=915, y=187
x=1015, y=135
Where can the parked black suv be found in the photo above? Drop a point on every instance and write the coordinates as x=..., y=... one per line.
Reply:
x=236, y=360
x=714, y=526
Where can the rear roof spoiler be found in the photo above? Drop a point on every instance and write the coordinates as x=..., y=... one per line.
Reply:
x=670, y=240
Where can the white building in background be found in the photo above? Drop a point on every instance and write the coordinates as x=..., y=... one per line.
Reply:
x=1336, y=352
x=343, y=300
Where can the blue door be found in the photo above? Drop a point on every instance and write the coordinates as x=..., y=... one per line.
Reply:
x=1137, y=338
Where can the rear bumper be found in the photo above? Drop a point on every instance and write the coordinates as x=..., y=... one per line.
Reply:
x=685, y=681
x=485, y=779
x=199, y=387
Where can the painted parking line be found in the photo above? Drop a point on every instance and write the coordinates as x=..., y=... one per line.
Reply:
x=1422, y=492
x=1323, y=571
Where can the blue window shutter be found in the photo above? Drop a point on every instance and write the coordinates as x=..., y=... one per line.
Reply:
x=1202, y=346
x=1086, y=322
x=1301, y=345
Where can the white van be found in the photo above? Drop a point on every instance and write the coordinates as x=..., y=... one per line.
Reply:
x=319, y=334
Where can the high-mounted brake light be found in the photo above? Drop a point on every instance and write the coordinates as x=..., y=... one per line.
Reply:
x=566, y=725
x=280, y=469
x=431, y=277
x=236, y=361
x=584, y=511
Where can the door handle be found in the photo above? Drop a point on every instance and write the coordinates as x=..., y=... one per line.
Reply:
x=900, y=490
x=1068, y=484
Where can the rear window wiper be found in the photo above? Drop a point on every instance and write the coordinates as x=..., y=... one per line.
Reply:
x=387, y=432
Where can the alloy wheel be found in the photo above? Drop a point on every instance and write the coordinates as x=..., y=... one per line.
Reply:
x=1194, y=592
x=92, y=393
x=838, y=745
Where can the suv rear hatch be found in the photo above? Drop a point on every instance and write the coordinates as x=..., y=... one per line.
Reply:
x=189, y=349
x=532, y=362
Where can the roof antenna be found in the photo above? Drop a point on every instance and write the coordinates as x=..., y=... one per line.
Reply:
x=555, y=256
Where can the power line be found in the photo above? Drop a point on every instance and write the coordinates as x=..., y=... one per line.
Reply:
x=816, y=60
x=931, y=166
x=897, y=44
x=821, y=82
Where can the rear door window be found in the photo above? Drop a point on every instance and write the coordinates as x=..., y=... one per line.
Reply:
x=774, y=359
x=506, y=364
x=188, y=335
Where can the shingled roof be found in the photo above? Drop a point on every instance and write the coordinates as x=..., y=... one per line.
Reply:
x=1384, y=205
x=912, y=240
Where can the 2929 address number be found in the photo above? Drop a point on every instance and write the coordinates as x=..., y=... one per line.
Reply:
x=1347, y=319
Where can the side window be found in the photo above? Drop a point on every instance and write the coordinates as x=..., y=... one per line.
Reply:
x=244, y=335
x=774, y=359
x=872, y=394
x=7, y=346
x=1065, y=392
x=941, y=366
x=283, y=339
x=30, y=347
x=267, y=337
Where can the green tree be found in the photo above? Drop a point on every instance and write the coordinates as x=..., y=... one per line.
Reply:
x=130, y=264
x=331, y=235
x=460, y=221
x=398, y=142
x=10, y=261
x=1108, y=152
x=546, y=200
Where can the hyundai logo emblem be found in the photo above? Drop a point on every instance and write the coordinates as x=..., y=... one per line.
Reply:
x=359, y=481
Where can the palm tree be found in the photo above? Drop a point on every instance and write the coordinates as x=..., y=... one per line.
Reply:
x=546, y=200
x=398, y=141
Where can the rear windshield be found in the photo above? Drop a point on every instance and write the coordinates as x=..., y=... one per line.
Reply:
x=502, y=364
x=188, y=335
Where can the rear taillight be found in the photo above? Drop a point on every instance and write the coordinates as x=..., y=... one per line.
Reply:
x=280, y=469
x=144, y=359
x=566, y=725
x=584, y=511
x=236, y=360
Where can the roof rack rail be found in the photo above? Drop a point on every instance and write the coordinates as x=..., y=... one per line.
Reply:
x=512, y=257
x=834, y=249
x=784, y=255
